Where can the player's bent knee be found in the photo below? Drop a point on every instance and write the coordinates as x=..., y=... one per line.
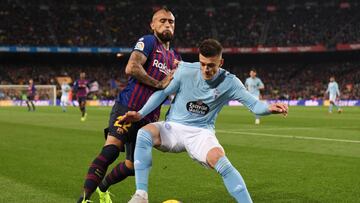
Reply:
x=111, y=140
x=214, y=155
x=155, y=133
x=144, y=138
x=238, y=189
x=110, y=152
x=129, y=164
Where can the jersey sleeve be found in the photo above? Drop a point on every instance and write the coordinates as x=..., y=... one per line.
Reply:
x=33, y=88
x=145, y=45
x=247, y=83
x=239, y=92
x=337, y=89
x=158, y=97
x=260, y=84
x=76, y=85
x=328, y=88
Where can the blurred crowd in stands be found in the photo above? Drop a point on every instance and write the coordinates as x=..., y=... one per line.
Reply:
x=235, y=23
x=305, y=81
x=245, y=23
x=110, y=80
x=282, y=81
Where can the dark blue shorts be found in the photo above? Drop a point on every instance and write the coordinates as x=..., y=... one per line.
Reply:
x=81, y=99
x=31, y=97
x=126, y=132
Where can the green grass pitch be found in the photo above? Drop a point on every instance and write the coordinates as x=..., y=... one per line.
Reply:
x=310, y=156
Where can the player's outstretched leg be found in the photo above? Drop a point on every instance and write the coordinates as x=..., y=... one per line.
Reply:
x=83, y=111
x=233, y=181
x=331, y=106
x=63, y=106
x=142, y=163
x=119, y=173
x=27, y=103
x=33, y=106
x=339, y=110
x=97, y=169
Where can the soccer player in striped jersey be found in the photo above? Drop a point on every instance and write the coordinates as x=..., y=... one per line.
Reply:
x=81, y=88
x=31, y=92
x=334, y=92
x=150, y=68
x=202, y=89
x=253, y=84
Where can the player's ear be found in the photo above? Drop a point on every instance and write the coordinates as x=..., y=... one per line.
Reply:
x=221, y=62
x=152, y=26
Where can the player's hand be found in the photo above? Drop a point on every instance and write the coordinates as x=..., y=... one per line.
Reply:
x=130, y=116
x=279, y=108
x=176, y=62
x=166, y=81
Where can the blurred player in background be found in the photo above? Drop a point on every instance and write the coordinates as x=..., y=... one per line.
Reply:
x=253, y=84
x=202, y=89
x=150, y=65
x=31, y=92
x=334, y=92
x=64, y=101
x=81, y=89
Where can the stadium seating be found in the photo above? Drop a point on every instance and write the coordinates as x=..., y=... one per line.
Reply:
x=120, y=23
x=249, y=24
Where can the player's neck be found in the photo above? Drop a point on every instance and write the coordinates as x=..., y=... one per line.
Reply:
x=166, y=45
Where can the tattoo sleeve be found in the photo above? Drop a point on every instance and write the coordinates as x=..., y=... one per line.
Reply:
x=135, y=69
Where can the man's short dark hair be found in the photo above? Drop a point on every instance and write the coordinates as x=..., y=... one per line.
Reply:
x=164, y=8
x=253, y=70
x=210, y=48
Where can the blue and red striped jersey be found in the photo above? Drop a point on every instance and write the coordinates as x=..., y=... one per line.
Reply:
x=31, y=90
x=159, y=63
x=80, y=86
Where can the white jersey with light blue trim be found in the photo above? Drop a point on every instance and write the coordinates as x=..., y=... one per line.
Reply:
x=333, y=88
x=65, y=88
x=253, y=85
x=198, y=101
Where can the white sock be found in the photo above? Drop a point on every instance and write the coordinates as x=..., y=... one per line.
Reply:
x=142, y=193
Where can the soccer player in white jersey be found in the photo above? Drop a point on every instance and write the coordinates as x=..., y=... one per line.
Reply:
x=334, y=92
x=202, y=89
x=253, y=84
x=65, y=89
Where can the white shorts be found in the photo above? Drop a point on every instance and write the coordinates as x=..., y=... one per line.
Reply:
x=332, y=97
x=177, y=138
x=64, y=99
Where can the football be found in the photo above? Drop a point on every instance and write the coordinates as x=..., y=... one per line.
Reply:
x=172, y=201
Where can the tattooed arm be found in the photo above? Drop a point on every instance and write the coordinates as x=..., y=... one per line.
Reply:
x=135, y=69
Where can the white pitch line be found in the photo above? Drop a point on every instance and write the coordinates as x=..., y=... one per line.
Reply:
x=289, y=136
x=300, y=128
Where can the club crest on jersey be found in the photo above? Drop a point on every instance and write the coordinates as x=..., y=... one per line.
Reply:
x=140, y=46
x=167, y=126
x=197, y=107
x=161, y=66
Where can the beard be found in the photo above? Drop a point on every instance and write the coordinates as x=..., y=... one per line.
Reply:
x=165, y=36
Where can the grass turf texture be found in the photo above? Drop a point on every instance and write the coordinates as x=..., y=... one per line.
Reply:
x=310, y=156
